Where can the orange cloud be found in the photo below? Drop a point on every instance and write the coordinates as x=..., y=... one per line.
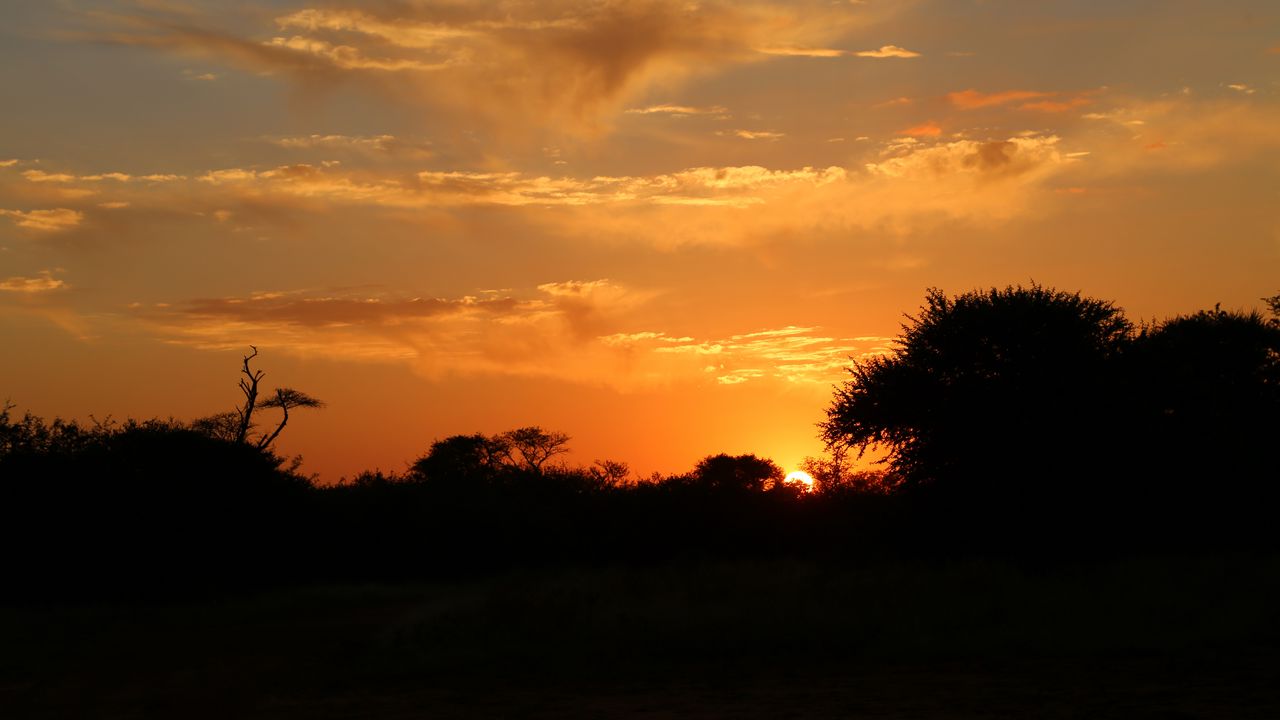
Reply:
x=678, y=110
x=31, y=285
x=888, y=51
x=45, y=220
x=972, y=99
x=568, y=64
x=929, y=129
x=568, y=330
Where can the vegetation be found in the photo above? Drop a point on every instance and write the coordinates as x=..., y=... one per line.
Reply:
x=1072, y=506
x=1024, y=423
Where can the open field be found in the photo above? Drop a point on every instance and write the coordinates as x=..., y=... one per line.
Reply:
x=1179, y=637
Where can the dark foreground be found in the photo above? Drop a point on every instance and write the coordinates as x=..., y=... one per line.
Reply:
x=1164, y=637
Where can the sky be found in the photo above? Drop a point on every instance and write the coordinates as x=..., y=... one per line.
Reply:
x=664, y=227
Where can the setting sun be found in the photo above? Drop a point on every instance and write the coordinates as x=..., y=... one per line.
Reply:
x=800, y=477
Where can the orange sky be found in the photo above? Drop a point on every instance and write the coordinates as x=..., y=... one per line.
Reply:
x=662, y=227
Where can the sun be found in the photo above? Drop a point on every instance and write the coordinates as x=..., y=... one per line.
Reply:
x=802, y=478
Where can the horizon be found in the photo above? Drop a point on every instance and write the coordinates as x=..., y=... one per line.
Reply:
x=660, y=228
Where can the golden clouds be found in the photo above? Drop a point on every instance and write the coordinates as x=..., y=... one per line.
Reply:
x=567, y=330
x=930, y=129
x=45, y=282
x=571, y=63
x=888, y=51
x=45, y=221
x=668, y=109
x=1049, y=102
x=1007, y=158
x=972, y=99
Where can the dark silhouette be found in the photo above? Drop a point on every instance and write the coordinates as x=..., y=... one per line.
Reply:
x=1040, y=416
x=999, y=387
x=735, y=474
x=1022, y=422
x=237, y=425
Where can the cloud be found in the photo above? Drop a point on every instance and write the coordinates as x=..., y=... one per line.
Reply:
x=436, y=188
x=32, y=285
x=758, y=135
x=345, y=57
x=678, y=110
x=1242, y=88
x=888, y=51
x=567, y=329
x=1049, y=102
x=972, y=99
x=377, y=145
x=1006, y=158
x=929, y=129
x=567, y=64
x=803, y=52
x=39, y=176
x=45, y=220
x=792, y=354
x=8, y=163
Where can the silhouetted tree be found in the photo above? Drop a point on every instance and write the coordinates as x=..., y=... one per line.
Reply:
x=1211, y=386
x=237, y=425
x=286, y=399
x=465, y=458
x=529, y=448
x=610, y=474
x=835, y=475
x=995, y=385
x=735, y=473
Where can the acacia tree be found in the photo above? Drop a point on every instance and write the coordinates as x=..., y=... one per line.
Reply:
x=529, y=448
x=479, y=456
x=988, y=385
x=736, y=473
x=237, y=425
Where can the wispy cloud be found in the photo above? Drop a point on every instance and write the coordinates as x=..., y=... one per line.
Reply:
x=972, y=99
x=678, y=110
x=45, y=220
x=43, y=283
x=758, y=134
x=569, y=63
x=1033, y=100
x=567, y=329
x=888, y=51
x=929, y=129
x=803, y=52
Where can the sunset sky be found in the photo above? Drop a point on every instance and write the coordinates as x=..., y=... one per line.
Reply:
x=662, y=227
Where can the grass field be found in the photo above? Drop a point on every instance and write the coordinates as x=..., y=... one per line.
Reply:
x=1184, y=637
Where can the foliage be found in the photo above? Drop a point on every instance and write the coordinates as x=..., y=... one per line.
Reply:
x=1004, y=383
x=478, y=457
x=237, y=425
x=735, y=474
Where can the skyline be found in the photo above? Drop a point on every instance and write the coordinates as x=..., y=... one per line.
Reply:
x=663, y=228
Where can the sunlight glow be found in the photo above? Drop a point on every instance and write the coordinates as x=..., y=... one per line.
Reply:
x=801, y=477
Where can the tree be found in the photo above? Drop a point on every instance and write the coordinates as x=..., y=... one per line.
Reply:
x=529, y=448
x=995, y=386
x=462, y=457
x=736, y=473
x=1210, y=383
x=237, y=425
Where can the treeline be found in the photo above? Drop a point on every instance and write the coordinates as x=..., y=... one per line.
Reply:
x=1025, y=422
